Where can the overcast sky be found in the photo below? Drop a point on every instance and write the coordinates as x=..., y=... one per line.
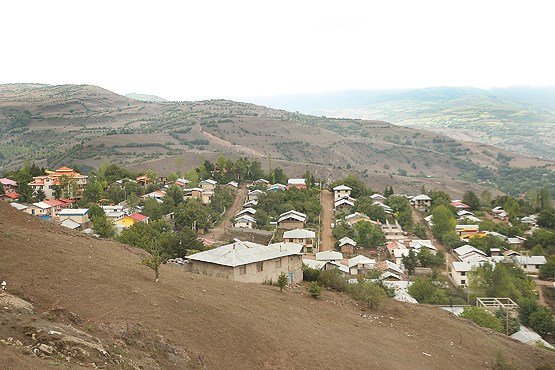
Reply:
x=187, y=50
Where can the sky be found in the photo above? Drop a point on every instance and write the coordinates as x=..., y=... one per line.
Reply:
x=191, y=50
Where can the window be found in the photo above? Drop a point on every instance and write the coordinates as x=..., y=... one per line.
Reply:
x=463, y=273
x=463, y=282
x=259, y=266
x=242, y=270
x=278, y=263
x=537, y=266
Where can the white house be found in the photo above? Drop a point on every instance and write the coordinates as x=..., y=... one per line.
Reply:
x=392, y=231
x=250, y=262
x=530, y=264
x=378, y=198
x=422, y=203
x=360, y=265
x=341, y=191
x=301, y=236
x=469, y=253
x=333, y=256
x=254, y=194
x=208, y=185
x=244, y=222
x=459, y=271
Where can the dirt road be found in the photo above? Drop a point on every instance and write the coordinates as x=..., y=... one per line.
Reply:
x=540, y=284
x=326, y=214
x=218, y=231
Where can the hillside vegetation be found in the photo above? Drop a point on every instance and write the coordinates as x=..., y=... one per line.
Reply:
x=94, y=302
x=81, y=125
x=518, y=119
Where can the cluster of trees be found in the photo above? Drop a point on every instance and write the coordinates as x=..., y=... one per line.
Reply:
x=364, y=233
x=273, y=203
x=424, y=258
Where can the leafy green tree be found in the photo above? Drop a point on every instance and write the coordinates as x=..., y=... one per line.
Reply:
x=546, y=218
x=482, y=318
x=310, y=274
x=420, y=231
x=278, y=176
x=262, y=219
x=443, y=221
x=133, y=201
x=368, y=235
x=471, y=199
x=93, y=192
x=368, y=292
x=365, y=206
x=103, y=226
x=282, y=281
x=505, y=280
x=526, y=307
x=115, y=194
x=402, y=210
x=427, y=259
x=439, y=198
x=426, y=290
x=39, y=195
x=156, y=258
x=485, y=198
x=514, y=322
x=175, y=193
x=388, y=192
x=545, y=200
x=547, y=271
x=192, y=214
x=359, y=188
x=410, y=261
x=151, y=175
x=153, y=209
x=485, y=243
x=541, y=321
x=95, y=211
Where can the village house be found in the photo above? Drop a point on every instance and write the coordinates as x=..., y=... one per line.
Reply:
x=232, y=185
x=499, y=213
x=392, y=231
x=56, y=204
x=467, y=253
x=296, y=183
x=114, y=212
x=128, y=221
x=332, y=256
x=157, y=194
x=247, y=211
x=343, y=205
x=378, y=198
x=347, y=246
x=387, y=209
x=389, y=270
x=254, y=194
x=143, y=181
x=244, y=221
x=77, y=215
x=19, y=207
x=10, y=186
x=40, y=209
x=182, y=183
x=250, y=204
x=9, y=197
x=291, y=220
x=418, y=244
x=422, y=203
x=360, y=265
x=48, y=183
x=276, y=187
x=249, y=262
x=301, y=236
x=341, y=191
x=467, y=231
x=356, y=217
x=262, y=182
x=326, y=265
x=459, y=205
x=458, y=271
x=208, y=185
x=530, y=264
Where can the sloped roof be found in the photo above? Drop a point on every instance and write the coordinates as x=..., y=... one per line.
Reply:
x=341, y=188
x=296, y=182
x=242, y=253
x=6, y=181
x=12, y=195
x=70, y=224
x=466, y=266
x=299, y=234
x=42, y=205
x=252, y=211
x=360, y=260
x=347, y=240
x=73, y=212
x=245, y=218
x=465, y=249
x=209, y=181
x=329, y=255
x=138, y=217
x=422, y=197
x=377, y=196
x=19, y=207
x=343, y=201
x=530, y=260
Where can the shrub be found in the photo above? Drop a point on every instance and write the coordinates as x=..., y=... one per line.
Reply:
x=483, y=318
x=314, y=289
x=368, y=292
x=282, y=281
x=333, y=279
x=310, y=274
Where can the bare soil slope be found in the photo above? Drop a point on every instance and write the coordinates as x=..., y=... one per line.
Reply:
x=96, y=289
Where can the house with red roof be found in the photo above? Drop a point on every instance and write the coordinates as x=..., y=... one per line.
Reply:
x=10, y=197
x=128, y=221
x=9, y=185
x=47, y=183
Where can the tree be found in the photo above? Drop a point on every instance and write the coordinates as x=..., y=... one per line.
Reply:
x=278, y=176
x=471, y=200
x=402, y=210
x=439, y=198
x=443, y=221
x=153, y=209
x=192, y=214
x=359, y=188
x=541, y=321
x=103, y=226
x=427, y=259
x=314, y=289
x=282, y=281
x=410, y=261
x=151, y=175
x=39, y=195
x=1, y=189
x=388, y=192
x=482, y=318
x=156, y=258
x=368, y=235
x=426, y=290
x=514, y=322
x=546, y=218
x=365, y=205
x=485, y=198
x=545, y=200
x=133, y=201
x=547, y=271
x=526, y=307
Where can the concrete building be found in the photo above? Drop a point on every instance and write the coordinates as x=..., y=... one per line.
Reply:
x=301, y=236
x=249, y=262
x=422, y=203
x=73, y=182
x=78, y=215
x=341, y=191
x=291, y=220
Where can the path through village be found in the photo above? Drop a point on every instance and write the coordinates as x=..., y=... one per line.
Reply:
x=326, y=219
x=217, y=233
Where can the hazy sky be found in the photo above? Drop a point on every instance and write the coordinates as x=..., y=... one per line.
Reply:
x=185, y=50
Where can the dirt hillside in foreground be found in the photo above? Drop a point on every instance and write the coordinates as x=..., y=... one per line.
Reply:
x=190, y=321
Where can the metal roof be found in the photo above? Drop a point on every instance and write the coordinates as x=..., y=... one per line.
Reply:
x=341, y=187
x=299, y=234
x=243, y=253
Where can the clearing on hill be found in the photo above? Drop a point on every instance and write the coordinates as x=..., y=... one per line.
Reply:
x=92, y=302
